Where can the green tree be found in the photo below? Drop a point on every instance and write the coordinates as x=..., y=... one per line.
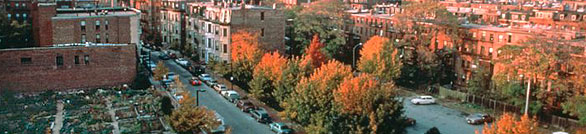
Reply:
x=261, y=88
x=322, y=18
x=189, y=118
x=291, y=76
x=166, y=105
x=14, y=34
x=160, y=71
x=576, y=106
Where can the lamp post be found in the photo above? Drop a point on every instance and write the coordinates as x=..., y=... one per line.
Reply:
x=232, y=82
x=354, y=55
x=197, y=96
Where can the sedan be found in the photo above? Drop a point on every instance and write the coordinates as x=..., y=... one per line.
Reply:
x=423, y=100
x=194, y=81
x=280, y=128
x=220, y=88
x=479, y=119
x=245, y=105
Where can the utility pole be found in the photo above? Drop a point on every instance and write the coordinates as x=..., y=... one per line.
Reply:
x=527, y=96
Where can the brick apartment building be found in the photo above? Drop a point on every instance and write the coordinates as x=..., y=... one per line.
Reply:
x=97, y=25
x=68, y=66
x=18, y=10
x=493, y=28
x=172, y=21
x=211, y=25
x=149, y=19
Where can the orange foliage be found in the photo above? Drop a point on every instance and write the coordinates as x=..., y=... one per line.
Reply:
x=314, y=52
x=372, y=48
x=326, y=73
x=271, y=64
x=507, y=124
x=245, y=46
x=351, y=92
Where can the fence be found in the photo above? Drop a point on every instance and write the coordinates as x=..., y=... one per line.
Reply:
x=500, y=107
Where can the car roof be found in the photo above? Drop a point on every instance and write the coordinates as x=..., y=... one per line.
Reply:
x=231, y=92
x=280, y=124
x=425, y=96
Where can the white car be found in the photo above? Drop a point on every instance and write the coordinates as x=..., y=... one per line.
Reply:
x=220, y=88
x=423, y=100
x=231, y=96
x=205, y=77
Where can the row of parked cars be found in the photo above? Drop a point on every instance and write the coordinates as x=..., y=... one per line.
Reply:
x=478, y=118
x=258, y=113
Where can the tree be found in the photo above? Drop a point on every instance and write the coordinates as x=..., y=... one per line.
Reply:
x=245, y=53
x=166, y=105
x=191, y=119
x=268, y=71
x=322, y=18
x=368, y=107
x=160, y=71
x=379, y=57
x=433, y=130
x=576, y=106
x=295, y=70
x=315, y=56
x=507, y=124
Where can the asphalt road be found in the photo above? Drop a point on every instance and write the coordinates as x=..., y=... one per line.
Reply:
x=448, y=121
x=240, y=122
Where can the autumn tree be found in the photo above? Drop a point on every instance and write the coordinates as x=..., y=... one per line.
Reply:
x=366, y=106
x=266, y=73
x=314, y=52
x=322, y=18
x=508, y=124
x=379, y=57
x=311, y=103
x=160, y=71
x=295, y=70
x=245, y=53
x=191, y=119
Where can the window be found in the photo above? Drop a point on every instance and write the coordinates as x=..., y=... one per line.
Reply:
x=8, y=15
x=98, y=40
x=106, y=26
x=97, y=25
x=27, y=60
x=83, y=38
x=262, y=15
x=59, y=60
x=481, y=50
x=209, y=43
x=86, y=59
x=510, y=38
x=76, y=60
x=225, y=32
x=225, y=48
x=262, y=32
x=16, y=5
x=209, y=28
x=107, y=38
x=500, y=38
x=23, y=5
x=491, y=37
x=82, y=26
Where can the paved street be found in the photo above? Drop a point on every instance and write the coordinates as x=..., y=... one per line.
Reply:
x=448, y=121
x=241, y=123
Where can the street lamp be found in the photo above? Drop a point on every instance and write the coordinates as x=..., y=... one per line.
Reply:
x=354, y=55
x=197, y=96
x=232, y=82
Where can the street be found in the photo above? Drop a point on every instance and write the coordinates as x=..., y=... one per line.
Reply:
x=240, y=122
x=448, y=121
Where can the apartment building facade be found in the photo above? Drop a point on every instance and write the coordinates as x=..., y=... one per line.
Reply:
x=211, y=26
x=172, y=21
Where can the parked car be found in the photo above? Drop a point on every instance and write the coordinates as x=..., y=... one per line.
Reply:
x=166, y=82
x=164, y=57
x=183, y=62
x=479, y=118
x=152, y=66
x=231, y=96
x=261, y=115
x=220, y=87
x=410, y=121
x=205, y=77
x=170, y=75
x=245, y=105
x=423, y=100
x=280, y=128
x=194, y=81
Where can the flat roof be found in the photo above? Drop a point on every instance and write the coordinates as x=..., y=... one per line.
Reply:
x=70, y=15
x=71, y=45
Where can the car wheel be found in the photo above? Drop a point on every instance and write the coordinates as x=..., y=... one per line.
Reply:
x=416, y=103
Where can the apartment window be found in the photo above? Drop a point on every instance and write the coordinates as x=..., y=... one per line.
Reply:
x=500, y=38
x=481, y=50
x=510, y=38
x=26, y=60
x=98, y=40
x=216, y=46
x=209, y=28
x=23, y=5
x=86, y=59
x=473, y=35
x=16, y=5
x=59, y=60
x=106, y=25
x=8, y=15
x=262, y=15
x=82, y=26
x=225, y=32
x=491, y=37
x=83, y=38
x=97, y=25
x=209, y=43
x=225, y=48
x=262, y=32
x=107, y=38
x=76, y=60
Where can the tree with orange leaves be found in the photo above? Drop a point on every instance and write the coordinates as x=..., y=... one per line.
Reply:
x=245, y=54
x=315, y=56
x=507, y=124
x=351, y=92
x=379, y=58
x=311, y=102
x=266, y=73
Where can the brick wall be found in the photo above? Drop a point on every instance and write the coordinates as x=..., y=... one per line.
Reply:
x=69, y=30
x=42, y=26
x=273, y=25
x=108, y=66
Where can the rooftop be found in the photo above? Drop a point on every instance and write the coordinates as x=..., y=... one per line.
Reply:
x=71, y=45
x=95, y=12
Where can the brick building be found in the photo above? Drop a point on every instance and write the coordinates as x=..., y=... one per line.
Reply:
x=211, y=25
x=172, y=21
x=18, y=10
x=98, y=25
x=68, y=66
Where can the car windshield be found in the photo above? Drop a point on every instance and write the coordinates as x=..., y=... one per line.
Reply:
x=284, y=127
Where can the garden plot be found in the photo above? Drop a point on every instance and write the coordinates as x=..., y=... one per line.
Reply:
x=28, y=113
